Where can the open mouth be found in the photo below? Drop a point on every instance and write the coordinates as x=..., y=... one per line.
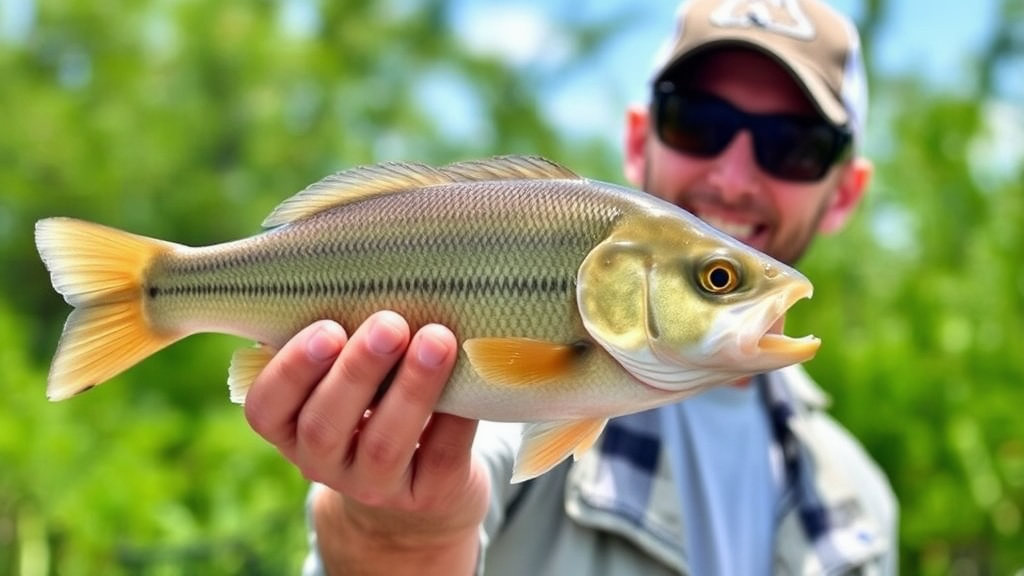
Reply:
x=774, y=343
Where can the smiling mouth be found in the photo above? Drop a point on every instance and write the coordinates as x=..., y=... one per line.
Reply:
x=737, y=230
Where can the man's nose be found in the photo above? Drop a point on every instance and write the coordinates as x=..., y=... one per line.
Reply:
x=735, y=171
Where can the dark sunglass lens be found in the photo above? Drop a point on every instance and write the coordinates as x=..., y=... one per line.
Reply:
x=694, y=125
x=798, y=151
x=795, y=148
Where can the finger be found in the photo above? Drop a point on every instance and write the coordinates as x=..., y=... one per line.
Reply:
x=278, y=393
x=335, y=408
x=388, y=440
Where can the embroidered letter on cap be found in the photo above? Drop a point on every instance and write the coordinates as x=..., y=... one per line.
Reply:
x=781, y=16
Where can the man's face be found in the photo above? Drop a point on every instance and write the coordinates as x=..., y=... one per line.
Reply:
x=730, y=190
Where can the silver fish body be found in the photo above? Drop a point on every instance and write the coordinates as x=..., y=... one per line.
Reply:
x=575, y=300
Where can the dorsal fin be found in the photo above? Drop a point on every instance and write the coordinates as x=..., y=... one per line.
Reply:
x=352, y=185
x=508, y=168
x=369, y=181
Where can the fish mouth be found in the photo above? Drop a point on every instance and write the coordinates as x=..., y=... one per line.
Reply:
x=775, y=346
x=785, y=347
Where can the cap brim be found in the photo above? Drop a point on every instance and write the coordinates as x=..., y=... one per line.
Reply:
x=810, y=82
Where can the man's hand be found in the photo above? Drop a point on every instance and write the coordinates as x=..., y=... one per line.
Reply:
x=404, y=494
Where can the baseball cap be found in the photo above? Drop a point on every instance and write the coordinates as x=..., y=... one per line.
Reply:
x=816, y=44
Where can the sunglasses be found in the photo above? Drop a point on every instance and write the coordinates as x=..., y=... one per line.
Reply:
x=786, y=146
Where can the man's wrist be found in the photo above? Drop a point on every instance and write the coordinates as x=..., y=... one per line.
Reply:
x=352, y=545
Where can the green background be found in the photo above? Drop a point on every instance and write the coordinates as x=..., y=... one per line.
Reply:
x=190, y=120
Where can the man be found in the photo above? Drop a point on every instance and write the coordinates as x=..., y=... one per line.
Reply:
x=756, y=112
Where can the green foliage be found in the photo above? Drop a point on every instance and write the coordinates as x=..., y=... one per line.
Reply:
x=920, y=304
x=189, y=120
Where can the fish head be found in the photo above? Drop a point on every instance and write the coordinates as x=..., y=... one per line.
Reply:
x=681, y=305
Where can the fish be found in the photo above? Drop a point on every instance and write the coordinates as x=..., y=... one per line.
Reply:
x=573, y=300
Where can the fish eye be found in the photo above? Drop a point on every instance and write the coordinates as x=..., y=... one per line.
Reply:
x=719, y=276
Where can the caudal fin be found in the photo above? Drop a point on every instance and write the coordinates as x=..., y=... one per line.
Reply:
x=99, y=271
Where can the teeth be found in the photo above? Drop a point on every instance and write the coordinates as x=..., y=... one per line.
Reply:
x=730, y=228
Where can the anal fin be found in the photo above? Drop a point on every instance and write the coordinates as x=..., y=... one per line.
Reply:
x=546, y=444
x=246, y=364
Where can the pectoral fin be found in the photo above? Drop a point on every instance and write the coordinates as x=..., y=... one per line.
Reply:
x=522, y=361
x=546, y=444
x=246, y=364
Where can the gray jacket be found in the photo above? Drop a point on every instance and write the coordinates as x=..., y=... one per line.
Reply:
x=841, y=516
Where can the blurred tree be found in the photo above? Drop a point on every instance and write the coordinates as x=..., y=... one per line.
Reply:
x=921, y=308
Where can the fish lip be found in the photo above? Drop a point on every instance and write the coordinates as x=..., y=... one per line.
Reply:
x=772, y=343
x=751, y=336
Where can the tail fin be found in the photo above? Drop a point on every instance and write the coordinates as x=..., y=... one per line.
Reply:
x=99, y=271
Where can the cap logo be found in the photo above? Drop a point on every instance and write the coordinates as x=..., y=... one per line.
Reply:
x=780, y=16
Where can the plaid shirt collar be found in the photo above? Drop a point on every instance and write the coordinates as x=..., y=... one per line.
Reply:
x=627, y=486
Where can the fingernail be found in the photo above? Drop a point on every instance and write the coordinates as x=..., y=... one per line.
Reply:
x=325, y=343
x=385, y=337
x=431, y=352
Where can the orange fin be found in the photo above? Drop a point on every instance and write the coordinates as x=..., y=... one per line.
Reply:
x=246, y=364
x=91, y=263
x=546, y=444
x=100, y=342
x=99, y=271
x=522, y=361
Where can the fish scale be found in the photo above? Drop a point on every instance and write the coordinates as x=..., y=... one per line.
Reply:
x=374, y=255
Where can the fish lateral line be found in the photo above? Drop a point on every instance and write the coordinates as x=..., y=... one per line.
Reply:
x=341, y=287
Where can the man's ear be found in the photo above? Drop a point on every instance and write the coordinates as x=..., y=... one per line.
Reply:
x=635, y=161
x=852, y=185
